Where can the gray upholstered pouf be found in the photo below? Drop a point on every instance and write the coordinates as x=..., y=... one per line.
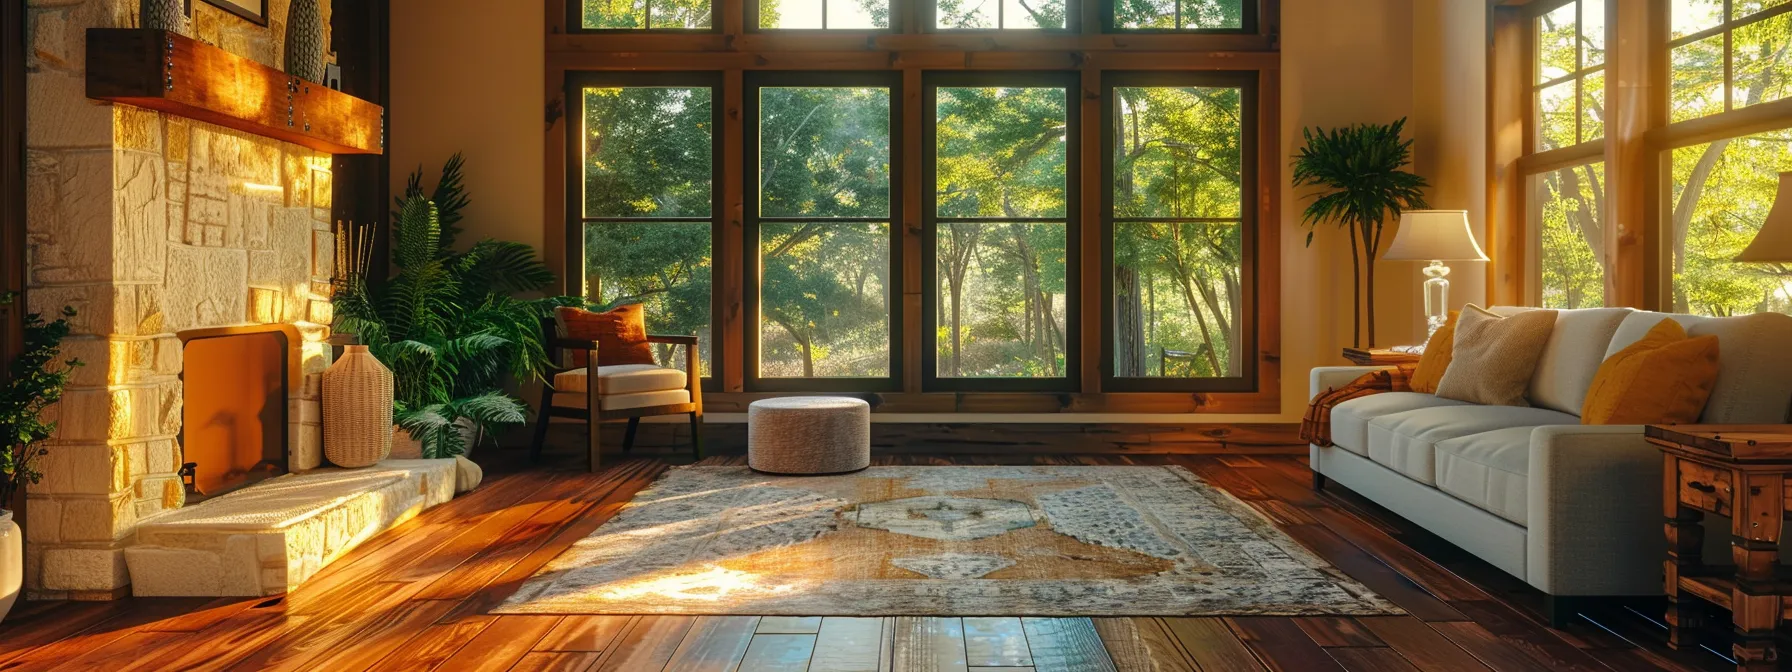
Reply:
x=809, y=435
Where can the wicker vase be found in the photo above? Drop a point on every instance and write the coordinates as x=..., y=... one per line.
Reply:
x=169, y=15
x=305, y=41
x=357, y=409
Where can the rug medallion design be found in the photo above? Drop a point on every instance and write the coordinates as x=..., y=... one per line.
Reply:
x=945, y=541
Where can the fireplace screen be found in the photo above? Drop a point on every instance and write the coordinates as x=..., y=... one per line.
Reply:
x=234, y=420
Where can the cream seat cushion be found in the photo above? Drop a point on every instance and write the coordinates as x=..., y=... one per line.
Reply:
x=1489, y=470
x=1350, y=420
x=623, y=386
x=1406, y=442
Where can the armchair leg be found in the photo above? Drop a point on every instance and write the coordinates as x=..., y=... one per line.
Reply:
x=541, y=425
x=628, y=438
x=697, y=435
x=593, y=444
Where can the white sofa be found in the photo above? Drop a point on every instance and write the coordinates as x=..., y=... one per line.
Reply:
x=1574, y=510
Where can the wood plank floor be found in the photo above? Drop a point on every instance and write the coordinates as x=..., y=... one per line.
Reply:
x=419, y=597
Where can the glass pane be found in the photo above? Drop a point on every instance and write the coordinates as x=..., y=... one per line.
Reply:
x=1571, y=203
x=1145, y=14
x=679, y=14
x=1555, y=116
x=968, y=13
x=648, y=152
x=824, y=152
x=1763, y=61
x=1178, y=152
x=1722, y=192
x=1698, y=79
x=1191, y=15
x=1001, y=152
x=662, y=265
x=614, y=14
x=1691, y=16
x=1177, y=300
x=823, y=300
x=1741, y=9
x=838, y=14
x=1001, y=300
x=1212, y=14
x=1592, y=33
x=1556, y=50
x=1592, y=107
x=1032, y=14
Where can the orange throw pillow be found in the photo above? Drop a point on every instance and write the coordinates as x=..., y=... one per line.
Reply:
x=1436, y=357
x=621, y=334
x=1665, y=378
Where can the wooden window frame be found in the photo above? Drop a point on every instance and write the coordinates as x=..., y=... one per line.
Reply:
x=1071, y=381
x=574, y=207
x=1727, y=28
x=750, y=23
x=1537, y=162
x=1249, y=21
x=750, y=239
x=930, y=12
x=575, y=22
x=915, y=52
x=1250, y=226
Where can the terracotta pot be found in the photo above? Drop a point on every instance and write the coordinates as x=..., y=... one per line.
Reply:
x=406, y=448
x=357, y=409
x=12, y=562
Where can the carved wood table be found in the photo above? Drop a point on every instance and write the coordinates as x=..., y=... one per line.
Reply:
x=1740, y=471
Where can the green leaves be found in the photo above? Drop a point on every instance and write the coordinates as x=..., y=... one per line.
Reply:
x=1359, y=170
x=35, y=381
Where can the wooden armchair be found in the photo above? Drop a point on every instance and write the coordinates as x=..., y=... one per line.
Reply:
x=625, y=392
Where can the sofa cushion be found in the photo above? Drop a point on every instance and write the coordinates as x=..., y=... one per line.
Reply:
x=1571, y=357
x=1350, y=420
x=617, y=402
x=622, y=379
x=1494, y=358
x=1754, y=375
x=1406, y=442
x=1489, y=470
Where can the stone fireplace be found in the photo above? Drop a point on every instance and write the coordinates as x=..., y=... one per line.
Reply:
x=160, y=230
x=235, y=419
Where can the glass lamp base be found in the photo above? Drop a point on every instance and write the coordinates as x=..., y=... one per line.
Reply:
x=1437, y=297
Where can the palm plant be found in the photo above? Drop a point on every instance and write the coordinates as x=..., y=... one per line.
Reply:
x=1359, y=171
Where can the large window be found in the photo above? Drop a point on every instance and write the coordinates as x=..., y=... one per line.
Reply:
x=1565, y=212
x=1178, y=168
x=1566, y=218
x=1721, y=192
x=1001, y=14
x=1570, y=74
x=1728, y=54
x=1001, y=270
x=822, y=14
x=820, y=214
x=647, y=157
x=643, y=14
x=1185, y=15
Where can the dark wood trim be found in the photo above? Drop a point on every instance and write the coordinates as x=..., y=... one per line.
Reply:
x=361, y=185
x=575, y=21
x=235, y=10
x=721, y=438
x=12, y=196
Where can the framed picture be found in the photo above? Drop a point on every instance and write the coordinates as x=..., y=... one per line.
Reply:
x=255, y=11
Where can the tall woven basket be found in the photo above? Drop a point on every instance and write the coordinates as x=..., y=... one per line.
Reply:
x=357, y=409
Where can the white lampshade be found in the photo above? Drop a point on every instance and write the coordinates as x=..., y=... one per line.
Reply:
x=1774, y=243
x=1434, y=235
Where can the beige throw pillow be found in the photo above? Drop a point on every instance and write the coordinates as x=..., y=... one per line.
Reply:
x=1493, y=357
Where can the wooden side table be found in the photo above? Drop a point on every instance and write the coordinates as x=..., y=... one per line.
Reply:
x=1740, y=471
x=1379, y=357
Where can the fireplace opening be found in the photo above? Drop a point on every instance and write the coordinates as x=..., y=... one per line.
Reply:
x=234, y=420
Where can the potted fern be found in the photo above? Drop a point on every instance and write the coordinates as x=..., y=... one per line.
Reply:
x=1360, y=173
x=34, y=382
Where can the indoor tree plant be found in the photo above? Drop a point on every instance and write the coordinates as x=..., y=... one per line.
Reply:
x=1360, y=173
x=35, y=380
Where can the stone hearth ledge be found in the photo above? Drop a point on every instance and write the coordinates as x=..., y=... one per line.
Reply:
x=268, y=538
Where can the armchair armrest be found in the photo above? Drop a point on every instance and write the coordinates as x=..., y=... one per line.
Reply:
x=672, y=339
x=1593, y=499
x=572, y=343
x=1329, y=377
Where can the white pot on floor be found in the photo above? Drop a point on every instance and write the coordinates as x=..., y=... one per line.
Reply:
x=12, y=562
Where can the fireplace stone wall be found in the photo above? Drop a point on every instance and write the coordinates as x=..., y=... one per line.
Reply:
x=149, y=225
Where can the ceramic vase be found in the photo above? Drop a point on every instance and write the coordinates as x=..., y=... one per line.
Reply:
x=12, y=562
x=169, y=15
x=305, y=41
x=357, y=409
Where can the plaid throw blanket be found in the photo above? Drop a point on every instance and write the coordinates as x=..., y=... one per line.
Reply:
x=1316, y=425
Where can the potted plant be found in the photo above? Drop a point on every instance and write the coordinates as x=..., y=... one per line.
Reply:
x=35, y=380
x=1359, y=171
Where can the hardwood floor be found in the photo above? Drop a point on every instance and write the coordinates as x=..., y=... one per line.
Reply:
x=418, y=597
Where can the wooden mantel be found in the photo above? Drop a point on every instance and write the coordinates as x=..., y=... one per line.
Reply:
x=178, y=75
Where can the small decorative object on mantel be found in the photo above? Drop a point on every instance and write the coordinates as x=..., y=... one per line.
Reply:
x=357, y=409
x=169, y=15
x=305, y=41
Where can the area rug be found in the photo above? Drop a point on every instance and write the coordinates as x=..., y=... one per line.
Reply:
x=941, y=541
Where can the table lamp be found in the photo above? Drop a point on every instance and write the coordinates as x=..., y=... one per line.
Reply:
x=1774, y=243
x=1436, y=236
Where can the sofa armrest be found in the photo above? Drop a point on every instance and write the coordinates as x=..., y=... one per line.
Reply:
x=1594, y=507
x=1328, y=377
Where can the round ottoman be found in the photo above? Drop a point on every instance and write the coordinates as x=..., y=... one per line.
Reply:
x=809, y=435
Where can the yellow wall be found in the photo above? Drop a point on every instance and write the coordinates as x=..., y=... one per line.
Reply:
x=467, y=75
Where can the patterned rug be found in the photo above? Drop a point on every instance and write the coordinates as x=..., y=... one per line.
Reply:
x=942, y=541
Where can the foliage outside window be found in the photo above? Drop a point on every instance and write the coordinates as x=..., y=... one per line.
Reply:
x=1178, y=232
x=646, y=14
x=648, y=191
x=1179, y=14
x=1001, y=227
x=824, y=208
x=1570, y=74
x=1000, y=14
x=1721, y=194
x=1568, y=211
x=824, y=14
x=1567, y=205
x=1720, y=63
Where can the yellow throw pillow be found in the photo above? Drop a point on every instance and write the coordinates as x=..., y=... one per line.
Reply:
x=1436, y=357
x=1665, y=378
